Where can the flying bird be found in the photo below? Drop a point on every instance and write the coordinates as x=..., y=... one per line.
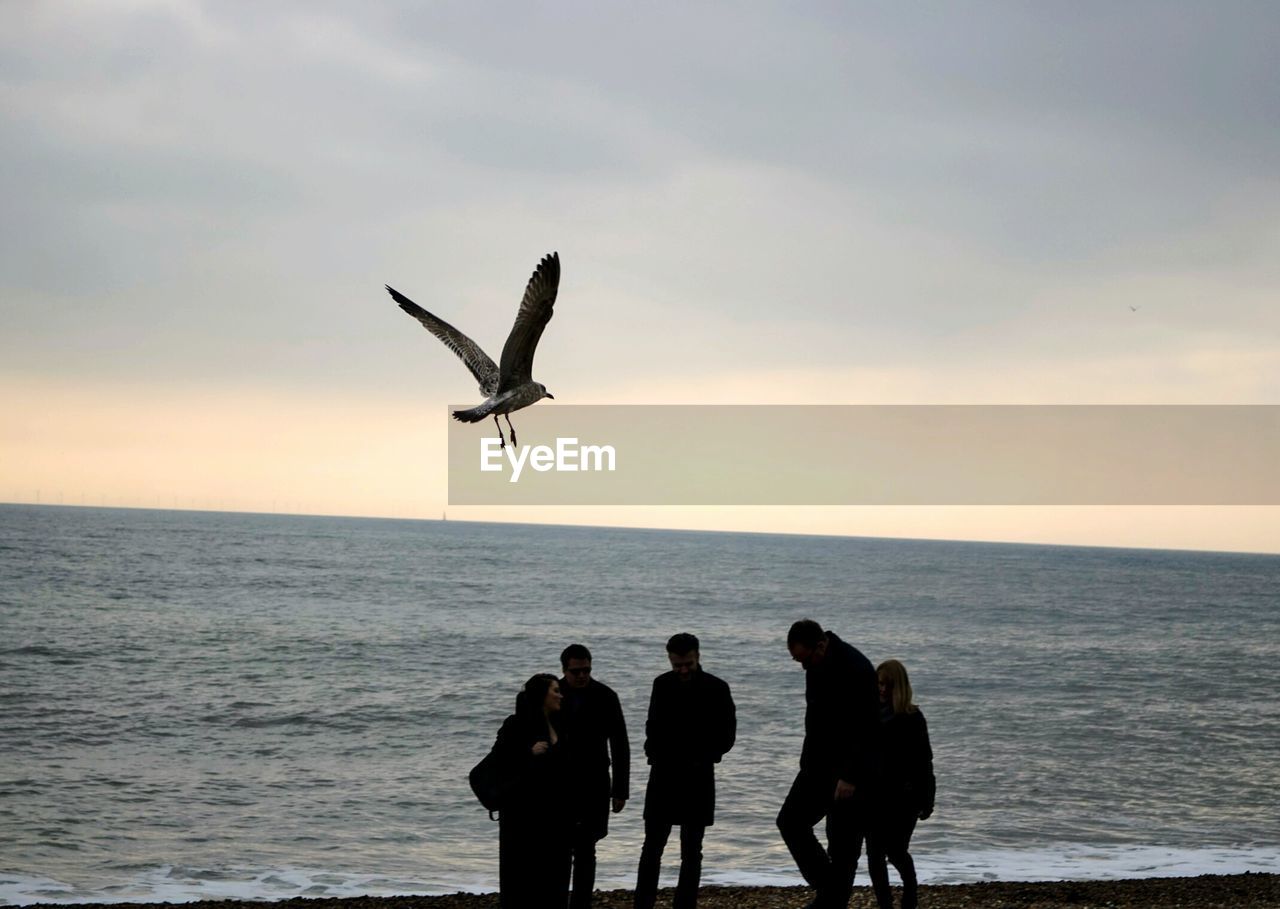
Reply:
x=508, y=386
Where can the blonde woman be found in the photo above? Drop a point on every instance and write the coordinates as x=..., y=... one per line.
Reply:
x=909, y=785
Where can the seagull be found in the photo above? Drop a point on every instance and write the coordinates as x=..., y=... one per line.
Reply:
x=510, y=386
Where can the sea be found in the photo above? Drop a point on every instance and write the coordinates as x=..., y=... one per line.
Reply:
x=204, y=705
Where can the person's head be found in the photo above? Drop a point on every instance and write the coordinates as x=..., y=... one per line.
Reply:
x=807, y=643
x=682, y=651
x=575, y=660
x=540, y=695
x=895, y=687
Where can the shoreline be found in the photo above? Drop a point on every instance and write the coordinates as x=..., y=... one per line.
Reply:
x=1251, y=889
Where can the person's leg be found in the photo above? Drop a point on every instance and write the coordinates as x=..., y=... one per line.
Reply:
x=557, y=857
x=656, y=834
x=690, y=865
x=878, y=867
x=583, y=843
x=802, y=809
x=902, y=860
x=846, y=828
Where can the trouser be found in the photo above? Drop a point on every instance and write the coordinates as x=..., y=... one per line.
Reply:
x=582, y=843
x=588, y=808
x=829, y=871
x=887, y=841
x=656, y=834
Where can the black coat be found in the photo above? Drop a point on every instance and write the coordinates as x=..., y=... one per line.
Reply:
x=909, y=783
x=533, y=784
x=533, y=853
x=842, y=717
x=690, y=727
x=595, y=740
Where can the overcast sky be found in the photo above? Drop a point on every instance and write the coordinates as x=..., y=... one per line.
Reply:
x=789, y=202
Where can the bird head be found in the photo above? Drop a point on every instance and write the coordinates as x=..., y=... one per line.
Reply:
x=545, y=393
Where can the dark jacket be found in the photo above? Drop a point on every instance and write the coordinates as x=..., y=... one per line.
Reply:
x=595, y=732
x=842, y=717
x=690, y=727
x=532, y=782
x=909, y=782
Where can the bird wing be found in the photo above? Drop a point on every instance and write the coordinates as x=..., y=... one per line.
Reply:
x=468, y=351
x=531, y=319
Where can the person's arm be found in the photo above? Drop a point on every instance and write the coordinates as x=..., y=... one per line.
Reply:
x=727, y=717
x=652, y=728
x=620, y=756
x=926, y=781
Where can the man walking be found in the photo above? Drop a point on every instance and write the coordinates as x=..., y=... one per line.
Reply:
x=691, y=724
x=838, y=762
x=593, y=732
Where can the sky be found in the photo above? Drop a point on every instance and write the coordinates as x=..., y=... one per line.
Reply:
x=754, y=202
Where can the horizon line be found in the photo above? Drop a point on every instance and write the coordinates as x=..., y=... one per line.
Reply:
x=649, y=529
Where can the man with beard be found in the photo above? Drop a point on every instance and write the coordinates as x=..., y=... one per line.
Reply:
x=691, y=724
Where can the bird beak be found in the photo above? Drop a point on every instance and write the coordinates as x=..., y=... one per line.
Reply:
x=551, y=396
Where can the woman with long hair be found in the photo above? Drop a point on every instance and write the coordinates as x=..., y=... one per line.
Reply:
x=909, y=785
x=533, y=852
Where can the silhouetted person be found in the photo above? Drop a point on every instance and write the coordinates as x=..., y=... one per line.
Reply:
x=908, y=786
x=533, y=850
x=595, y=736
x=691, y=725
x=838, y=762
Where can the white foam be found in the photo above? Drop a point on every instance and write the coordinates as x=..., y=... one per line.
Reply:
x=1067, y=861
x=1073, y=861
x=183, y=885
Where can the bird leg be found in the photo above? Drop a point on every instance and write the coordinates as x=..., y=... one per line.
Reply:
x=502, y=438
x=512, y=428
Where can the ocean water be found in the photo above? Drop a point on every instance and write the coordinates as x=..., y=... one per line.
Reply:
x=198, y=705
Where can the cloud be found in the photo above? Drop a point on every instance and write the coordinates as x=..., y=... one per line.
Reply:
x=869, y=201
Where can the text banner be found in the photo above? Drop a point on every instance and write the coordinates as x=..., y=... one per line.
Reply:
x=871, y=455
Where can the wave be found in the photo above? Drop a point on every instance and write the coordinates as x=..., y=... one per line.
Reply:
x=1071, y=862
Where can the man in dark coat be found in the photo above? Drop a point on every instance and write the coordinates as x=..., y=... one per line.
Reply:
x=691, y=724
x=593, y=732
x=838, y=762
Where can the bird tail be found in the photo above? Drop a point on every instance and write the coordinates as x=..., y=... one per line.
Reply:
x=474, y=415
